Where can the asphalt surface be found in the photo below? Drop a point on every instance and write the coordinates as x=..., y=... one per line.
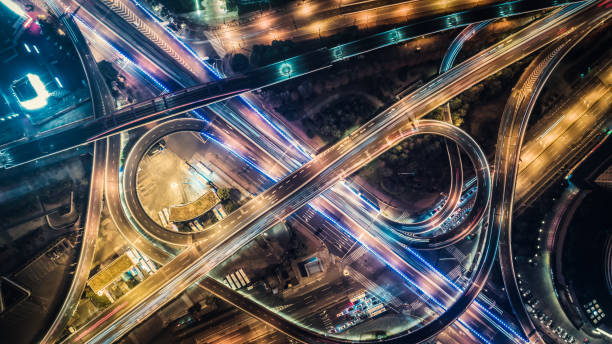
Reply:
x=184, y=101
x=423, y=100
x=508, y=154
x=103, y=104
x=130, y=175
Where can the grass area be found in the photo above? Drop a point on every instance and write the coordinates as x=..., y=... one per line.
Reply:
x=192, y=210
x=338, y=118
x=412, y=168
x=108, y=274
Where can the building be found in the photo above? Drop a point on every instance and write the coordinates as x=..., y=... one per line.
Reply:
x=120, y=275
x=190, y=211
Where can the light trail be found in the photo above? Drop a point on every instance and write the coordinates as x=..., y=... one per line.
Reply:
x=117, y=51
x=437, y=302
x=99, y=322
x=551, y=127
x=261, y=170
x=231, y=150
x=219, y=75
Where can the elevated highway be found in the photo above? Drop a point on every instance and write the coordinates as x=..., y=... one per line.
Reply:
x=451, y=201
x=103, y=105
x=422, y=101
x=510, y=138
x=192, y=98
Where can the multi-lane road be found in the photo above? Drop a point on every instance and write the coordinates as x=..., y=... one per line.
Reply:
x=103, y=105
x=511, y=172
x=420, y=102
x=334, y=161
x=213, y=92
x=514, y=124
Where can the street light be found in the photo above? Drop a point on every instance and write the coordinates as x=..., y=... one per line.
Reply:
x=285, y=69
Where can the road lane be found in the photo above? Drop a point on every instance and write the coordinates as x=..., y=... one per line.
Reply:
x=488, y=62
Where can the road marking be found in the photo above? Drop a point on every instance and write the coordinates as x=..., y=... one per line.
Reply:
x=106, y=317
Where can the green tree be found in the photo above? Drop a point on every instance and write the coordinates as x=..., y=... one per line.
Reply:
x=224, y=194
x=230, y=206
x=99, y=301
x=109, y=73
x=239, y=63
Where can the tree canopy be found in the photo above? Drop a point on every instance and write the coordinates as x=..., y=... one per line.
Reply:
x=239, y=63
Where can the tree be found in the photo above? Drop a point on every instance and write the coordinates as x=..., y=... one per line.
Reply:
x=109, y=73
x=239, y=63
x=224, y=194
x=262, y=55
x=101, y=302
x=455, y=103
x=230, y=206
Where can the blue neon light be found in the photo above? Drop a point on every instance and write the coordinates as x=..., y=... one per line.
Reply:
x=122, y=55
x=218, y=75
x=229, y=149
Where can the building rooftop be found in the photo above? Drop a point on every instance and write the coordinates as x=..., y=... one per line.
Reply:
x=190, y=211
x=103, y=278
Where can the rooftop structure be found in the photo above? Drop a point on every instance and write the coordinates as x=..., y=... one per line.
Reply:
x=110, y=273
x=190, y=211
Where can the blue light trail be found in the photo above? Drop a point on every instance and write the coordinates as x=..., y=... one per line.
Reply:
x=117, y=51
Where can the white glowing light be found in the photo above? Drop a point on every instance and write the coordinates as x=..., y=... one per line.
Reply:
x=14, y=7
x=41, y=94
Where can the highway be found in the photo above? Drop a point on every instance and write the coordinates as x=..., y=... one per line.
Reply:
x=270, y=317
x=456, y=169
x=101, y=98
x=201, y=95
x=431, y=285
x=313, y=19
x=136, y=30
x=115, y=136
x=431, y=221
x=512, y=130
x=88, y=246
x=574, y=122
x=157, y=251
x=131, y=168
x=152, y=227
x=363, y=135
x=420, y=102
x=103, y=105
x=129, y=181
x=140, y=18
x=136, y=239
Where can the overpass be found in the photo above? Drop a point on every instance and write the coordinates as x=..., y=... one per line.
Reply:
x=510, y=140
x=103, y=105
x=421, y=101
x=198, y=96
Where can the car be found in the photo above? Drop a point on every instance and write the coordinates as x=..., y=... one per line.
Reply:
x=157, y=148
